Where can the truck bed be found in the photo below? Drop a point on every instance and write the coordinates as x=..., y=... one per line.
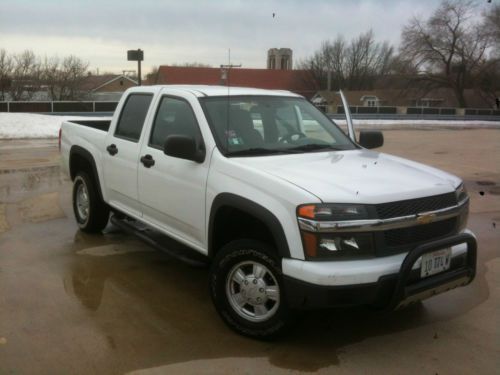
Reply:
x=100, y=124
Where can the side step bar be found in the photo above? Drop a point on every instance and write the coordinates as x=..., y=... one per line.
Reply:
x=160, y=241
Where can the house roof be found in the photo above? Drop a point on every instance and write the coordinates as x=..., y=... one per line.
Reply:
x=298, y=81
x=405, y=97
x=92, y=82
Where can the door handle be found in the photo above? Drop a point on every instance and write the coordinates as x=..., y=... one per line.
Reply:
x=147, y=160
x=112, y=149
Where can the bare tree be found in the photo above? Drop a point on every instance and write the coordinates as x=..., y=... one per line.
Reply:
x=152, y=76
x=366, y=60
x=448, y=49
x=195, y=64
x=6, y=66
x=492, y=24
x=26, y=74
x=72, y=73
x=353, y=65
x=50, y=76
x=64, y=77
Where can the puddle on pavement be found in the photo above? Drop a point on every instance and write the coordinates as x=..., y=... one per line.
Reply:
x=170, y=306
x=40, y=208
x=495, y=190
x=485, y=183
x=114, y=249
x=15, y=184
x=4, y=225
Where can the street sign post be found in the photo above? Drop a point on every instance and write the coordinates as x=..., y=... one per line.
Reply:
x=136, y=55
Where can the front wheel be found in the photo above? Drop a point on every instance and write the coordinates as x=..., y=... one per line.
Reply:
x=91, y=212
x=247, y=289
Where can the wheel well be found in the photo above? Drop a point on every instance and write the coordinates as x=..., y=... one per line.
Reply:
x=81, y=160
x=232, y=224
x=79, y=163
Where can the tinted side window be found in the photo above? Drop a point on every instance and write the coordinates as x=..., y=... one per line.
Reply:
x=132, y=117
x=174, y=116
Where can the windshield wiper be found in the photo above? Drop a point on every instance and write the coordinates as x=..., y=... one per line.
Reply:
x=259, y=151
x=314, y=147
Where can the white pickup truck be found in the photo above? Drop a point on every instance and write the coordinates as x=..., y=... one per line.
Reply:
x=290, y=212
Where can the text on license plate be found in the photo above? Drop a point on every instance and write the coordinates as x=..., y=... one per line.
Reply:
x=435, y=262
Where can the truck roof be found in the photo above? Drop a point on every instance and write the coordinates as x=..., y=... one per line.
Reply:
x=213, y=90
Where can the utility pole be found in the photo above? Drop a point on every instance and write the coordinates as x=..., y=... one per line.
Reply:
x=224, y=71
x=225, y=68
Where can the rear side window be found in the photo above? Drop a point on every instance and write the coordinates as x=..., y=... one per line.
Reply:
x=132, y=117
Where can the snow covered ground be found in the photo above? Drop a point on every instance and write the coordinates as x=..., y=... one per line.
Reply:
x=27, y=125
x=420, y=124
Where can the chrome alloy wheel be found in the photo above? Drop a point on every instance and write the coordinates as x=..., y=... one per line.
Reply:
x=253, y=291
x=82, y=201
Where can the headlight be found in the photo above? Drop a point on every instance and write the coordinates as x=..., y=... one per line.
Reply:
x=332, y=212
x=324, y=246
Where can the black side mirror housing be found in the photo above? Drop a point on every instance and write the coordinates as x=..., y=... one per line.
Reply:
x=371, y=138
x=183, y=147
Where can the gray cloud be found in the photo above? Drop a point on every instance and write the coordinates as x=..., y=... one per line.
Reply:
x=183, y=31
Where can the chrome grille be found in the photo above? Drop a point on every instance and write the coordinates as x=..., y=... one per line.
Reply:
x=415, y=206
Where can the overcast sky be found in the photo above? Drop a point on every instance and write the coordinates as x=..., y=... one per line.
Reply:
x=186, y=31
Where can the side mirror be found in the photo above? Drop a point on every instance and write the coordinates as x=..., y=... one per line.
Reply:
x=371, y=139
x=183, y=147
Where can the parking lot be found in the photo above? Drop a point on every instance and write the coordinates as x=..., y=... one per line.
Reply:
x=72, y=303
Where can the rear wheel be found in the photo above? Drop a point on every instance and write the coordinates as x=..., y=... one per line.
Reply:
x=247, y=289
x=91, y=212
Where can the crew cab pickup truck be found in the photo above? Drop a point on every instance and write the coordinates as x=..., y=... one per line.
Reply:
x=289, y=211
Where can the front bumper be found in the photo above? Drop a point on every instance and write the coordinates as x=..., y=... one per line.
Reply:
x=389, y=282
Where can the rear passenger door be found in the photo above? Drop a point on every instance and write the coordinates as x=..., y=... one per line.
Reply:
x=172, y=190
x=122, y=153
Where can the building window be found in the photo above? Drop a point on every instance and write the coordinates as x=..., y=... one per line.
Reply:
x=284, y=63
x=370, y=101
x=272, y=64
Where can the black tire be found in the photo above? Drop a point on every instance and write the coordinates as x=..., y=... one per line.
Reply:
x=97, y=215
x=246, y=253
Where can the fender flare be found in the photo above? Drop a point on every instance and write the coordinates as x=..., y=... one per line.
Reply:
x=256, y=210
x=85, y=154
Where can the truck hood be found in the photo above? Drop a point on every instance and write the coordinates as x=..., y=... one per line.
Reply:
x=356, y=176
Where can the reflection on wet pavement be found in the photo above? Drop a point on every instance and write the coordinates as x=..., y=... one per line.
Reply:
x=108, y=304
x=112, y=249
x=4, y=225
x=41, y=207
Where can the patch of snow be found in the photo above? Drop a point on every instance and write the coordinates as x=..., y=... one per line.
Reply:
x=29, y=125
x=420, y=124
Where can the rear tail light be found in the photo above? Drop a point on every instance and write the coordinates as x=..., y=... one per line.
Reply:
x=60, y=135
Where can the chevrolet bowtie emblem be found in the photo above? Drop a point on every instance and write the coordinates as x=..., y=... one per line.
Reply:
x=425, y=218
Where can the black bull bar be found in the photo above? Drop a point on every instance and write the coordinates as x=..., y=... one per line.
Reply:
x=405, y=293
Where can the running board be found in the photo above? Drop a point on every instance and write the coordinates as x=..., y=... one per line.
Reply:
x=160, y=241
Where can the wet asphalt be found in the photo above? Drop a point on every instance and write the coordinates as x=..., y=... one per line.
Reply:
x=72, y=303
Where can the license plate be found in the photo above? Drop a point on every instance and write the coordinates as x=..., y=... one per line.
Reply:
x=435, y=262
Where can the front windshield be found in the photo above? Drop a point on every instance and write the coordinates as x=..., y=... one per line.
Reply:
x=265, y=125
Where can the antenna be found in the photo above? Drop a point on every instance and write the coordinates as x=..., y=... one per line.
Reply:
x=226, y=73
